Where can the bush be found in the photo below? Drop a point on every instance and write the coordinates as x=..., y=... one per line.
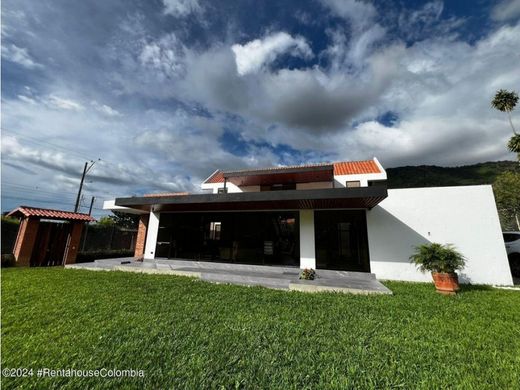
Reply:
x=9, y=232
x=438, y=258
x=8, y=261
x=514, y=264
x=86, y=257
x=308, y=274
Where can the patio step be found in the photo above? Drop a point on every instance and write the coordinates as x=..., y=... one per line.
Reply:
x=232, y=267
x=246, y=279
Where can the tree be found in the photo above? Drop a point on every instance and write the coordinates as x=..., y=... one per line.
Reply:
x=507, y=195
x=506, y=101
x=106, y=221
x=124, y=220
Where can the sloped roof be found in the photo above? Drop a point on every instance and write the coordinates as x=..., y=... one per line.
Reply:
x=356, y=167
x=340, y=168
x=216, y=177
x=27, y=211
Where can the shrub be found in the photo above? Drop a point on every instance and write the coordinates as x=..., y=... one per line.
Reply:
x=86, y=257
x=9, y=232
x=438, y=258
x=308, y=274
x=8, y=260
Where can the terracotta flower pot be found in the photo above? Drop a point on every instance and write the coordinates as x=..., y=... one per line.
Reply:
x=446, y=283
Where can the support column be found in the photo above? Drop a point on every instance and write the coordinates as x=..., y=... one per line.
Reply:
x=25, y=241
x=151, y=235
x=141, y=236
x=307, y=248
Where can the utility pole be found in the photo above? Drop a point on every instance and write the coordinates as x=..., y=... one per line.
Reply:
x=91, y=204
x=88, y=223
x=86, y=169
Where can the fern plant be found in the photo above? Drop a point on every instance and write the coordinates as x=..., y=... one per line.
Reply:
x=436, y=257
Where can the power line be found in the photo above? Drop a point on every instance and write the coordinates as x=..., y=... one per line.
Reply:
x=48, y=201
x=44, y=142
x=35, y=191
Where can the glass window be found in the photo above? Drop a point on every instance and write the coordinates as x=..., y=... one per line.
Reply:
x=510, y=237
x=353, y=184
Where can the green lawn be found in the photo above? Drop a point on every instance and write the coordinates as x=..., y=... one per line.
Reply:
x=185, y=333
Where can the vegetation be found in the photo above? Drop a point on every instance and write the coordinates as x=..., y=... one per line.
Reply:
x=185, y=333
x=308, y=274
x=433, y=176
x=506, y=101
x=507, y=196
x=9, y=233
x=89, y=256
x=514, y=144
x=437, y=258
x=122, y=220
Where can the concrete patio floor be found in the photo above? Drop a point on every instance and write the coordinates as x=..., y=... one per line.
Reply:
x=285, y=278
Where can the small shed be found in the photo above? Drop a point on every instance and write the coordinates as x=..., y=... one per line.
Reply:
x=47, y=237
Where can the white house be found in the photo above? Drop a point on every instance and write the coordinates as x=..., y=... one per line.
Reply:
x=336, y=216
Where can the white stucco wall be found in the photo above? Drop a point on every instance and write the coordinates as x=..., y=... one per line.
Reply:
x=465, y=216
x=307, y=247
x=151, y=235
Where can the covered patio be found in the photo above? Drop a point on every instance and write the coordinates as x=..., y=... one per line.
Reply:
x=316, y=228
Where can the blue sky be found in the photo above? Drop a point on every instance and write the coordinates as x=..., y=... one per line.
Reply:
x=166, y=91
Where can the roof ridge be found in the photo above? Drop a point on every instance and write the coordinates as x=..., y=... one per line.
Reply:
x=46, y=209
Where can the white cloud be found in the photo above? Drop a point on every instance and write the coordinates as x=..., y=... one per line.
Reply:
x=19, y=55
x=165, y=55
x=359, y=13
x=27, y=99
x=106, y=110
x=181, y=8
x=252, y=56
x=63, y=104
x=506, y=10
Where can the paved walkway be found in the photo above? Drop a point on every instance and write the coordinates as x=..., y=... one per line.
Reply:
x=285, y=278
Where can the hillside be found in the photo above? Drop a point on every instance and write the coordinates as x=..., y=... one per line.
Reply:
x=432, y=175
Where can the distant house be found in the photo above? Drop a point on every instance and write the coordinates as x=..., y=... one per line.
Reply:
x=337, y=216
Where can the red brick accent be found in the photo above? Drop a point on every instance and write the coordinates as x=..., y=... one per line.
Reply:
x=75, y=237
x=25, y=241
x=141, y=235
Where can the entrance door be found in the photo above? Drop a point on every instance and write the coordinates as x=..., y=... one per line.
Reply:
x=50, y=244
x=341, y=240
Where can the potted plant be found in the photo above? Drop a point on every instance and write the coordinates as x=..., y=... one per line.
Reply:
x=442, y=261
x=308, y=274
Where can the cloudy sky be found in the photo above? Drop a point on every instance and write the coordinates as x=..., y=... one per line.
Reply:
x=166, y=91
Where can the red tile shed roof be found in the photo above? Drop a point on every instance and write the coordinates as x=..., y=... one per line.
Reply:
x=340, y=168
x=27, y=211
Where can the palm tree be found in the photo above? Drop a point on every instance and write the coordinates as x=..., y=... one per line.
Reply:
x=506, y=101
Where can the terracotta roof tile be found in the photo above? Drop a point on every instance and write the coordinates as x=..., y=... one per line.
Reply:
x=340, y=168
x=355, y=167
x=217, y=177
x=28, y=211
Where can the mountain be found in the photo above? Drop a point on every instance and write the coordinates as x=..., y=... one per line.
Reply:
x=434, y=176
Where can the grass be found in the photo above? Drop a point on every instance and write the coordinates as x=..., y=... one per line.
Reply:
x=185, y=333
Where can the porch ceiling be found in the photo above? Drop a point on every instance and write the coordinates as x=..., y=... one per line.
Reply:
x=330, y=198
x=279, y=176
